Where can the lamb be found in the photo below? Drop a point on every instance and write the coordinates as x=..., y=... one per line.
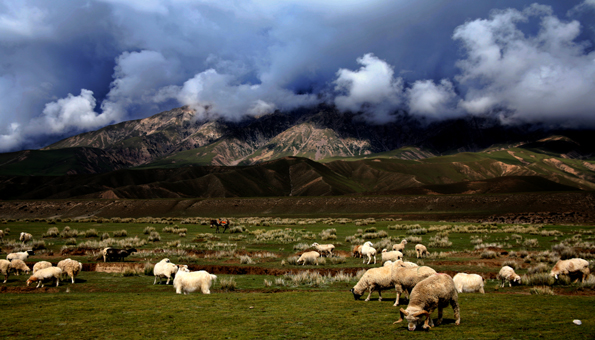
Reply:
x=405, y=278
x=421, y=250
x=508, y=274
x=436, y=291
x=391, y=255
x=309, y=256
x=45, y=275
x=41, y=265
x=21, y=255
x=468, y=283
x=25, y=237
x=400, y=246
x=324, y=249
x=18, y=265
x=164, y=268
x=369, y=251
x=373, y=279
x=5, y=269
x=188, y=282
x=357, y=251
x=70, y=267
x=573, y=267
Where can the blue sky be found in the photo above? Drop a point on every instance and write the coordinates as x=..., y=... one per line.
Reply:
x=68, y=67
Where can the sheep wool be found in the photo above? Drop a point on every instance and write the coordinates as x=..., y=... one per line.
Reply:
x=309, y=256
x=164, y=269
x=41, y=265
x=468, y=283
x=70, y=268
x=400, y=246
x=188, y=282
x=405, y=278
x=21, y=255
x=573, y=267
x=391, y=255
x=508, y=274
x=435, y=291
x=375, y=279
x=25, y=237
x=324, y=249
x=5, y=269
x=369, y=251
x=18, y=266
x=44, y=275
x=421, y=250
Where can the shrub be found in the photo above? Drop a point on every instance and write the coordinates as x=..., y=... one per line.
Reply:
x=511, y=263
x=531, y=243
x=488, y=254
x=237, y=230
x=539, y=279
x=52, y=232
x=120, y=233
x=542, y=291
x=301, y=246
x=132, y=272
x=68, y=233
x=337, y=260
x=148, y=269
x=91, y=233
x=417, y=231
x=292, y=260
x=104, y=236
x=537, y=269
x=228, y=284
x=370, y=230
x=267, y=283
x=39, y=245
x=246, y=260
x=71, y=242
x=154, y=237
x=148, y=230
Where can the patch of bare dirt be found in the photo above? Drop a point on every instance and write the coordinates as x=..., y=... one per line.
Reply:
x=22, y=290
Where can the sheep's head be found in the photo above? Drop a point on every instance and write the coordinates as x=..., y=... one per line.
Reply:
x=30, y=252
x=356, y=294
x=516, y=278
x=415, y=317
x=315, y=244
x=31, y=279
x=404, y=242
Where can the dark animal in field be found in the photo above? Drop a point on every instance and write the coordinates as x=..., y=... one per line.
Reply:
x=112, y=254
x=220, y=223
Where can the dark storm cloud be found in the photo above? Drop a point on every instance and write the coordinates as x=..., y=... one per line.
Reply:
x=69, y=66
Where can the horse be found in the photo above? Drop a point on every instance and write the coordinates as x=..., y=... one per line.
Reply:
x=220, y=223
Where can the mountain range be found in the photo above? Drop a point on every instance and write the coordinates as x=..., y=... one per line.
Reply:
x=307, y=152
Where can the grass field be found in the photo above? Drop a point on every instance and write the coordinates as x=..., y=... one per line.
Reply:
x=127, y=305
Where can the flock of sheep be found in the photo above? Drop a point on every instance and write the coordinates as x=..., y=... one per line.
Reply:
x=427, y=289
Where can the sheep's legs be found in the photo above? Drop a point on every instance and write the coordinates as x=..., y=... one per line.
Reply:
x=455, y=308
x=439, y=321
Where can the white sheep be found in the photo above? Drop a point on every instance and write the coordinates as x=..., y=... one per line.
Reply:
x=573, y=267
x=188, y=282
x=375, y=279
x=324, y=249
x=41, y=265
x=405, y=278
x=70, y=268
x=468, y=283
x=25, y=237
x=45, y=275
x=436, y=291
x=309, y=256
x=508, y=274
x=21, y=255
x=19, y=266
x=421, y=250
x=164, y=268
x=400, y=246
x=5, y=269
x=368, y=251
x=401, y=263
x=391, y=255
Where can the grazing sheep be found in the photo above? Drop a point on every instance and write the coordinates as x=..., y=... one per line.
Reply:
x=468, y=283
x=41, y=265
x=436, y=291
x=508, y=274
x=21, y=255
x=573, y=267
x=400, y=246
x=18, y=266
x=46, y=274
x=70, y=268
x=368, y=251
x=5, y=269
x=188, y=282
x=391, y=255
x=324, y=249
x=309, y=256
x=421, y=250
x=357, y=251
x=25, y=237
x=405, y=278
x=164, y=268
x=373, y=279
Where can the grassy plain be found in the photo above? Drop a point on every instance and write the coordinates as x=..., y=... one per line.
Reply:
x=129, y=306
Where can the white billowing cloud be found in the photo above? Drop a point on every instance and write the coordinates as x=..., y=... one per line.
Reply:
x=213, y=94
x=432, y=100
x=547, y=77
x=372, y=89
